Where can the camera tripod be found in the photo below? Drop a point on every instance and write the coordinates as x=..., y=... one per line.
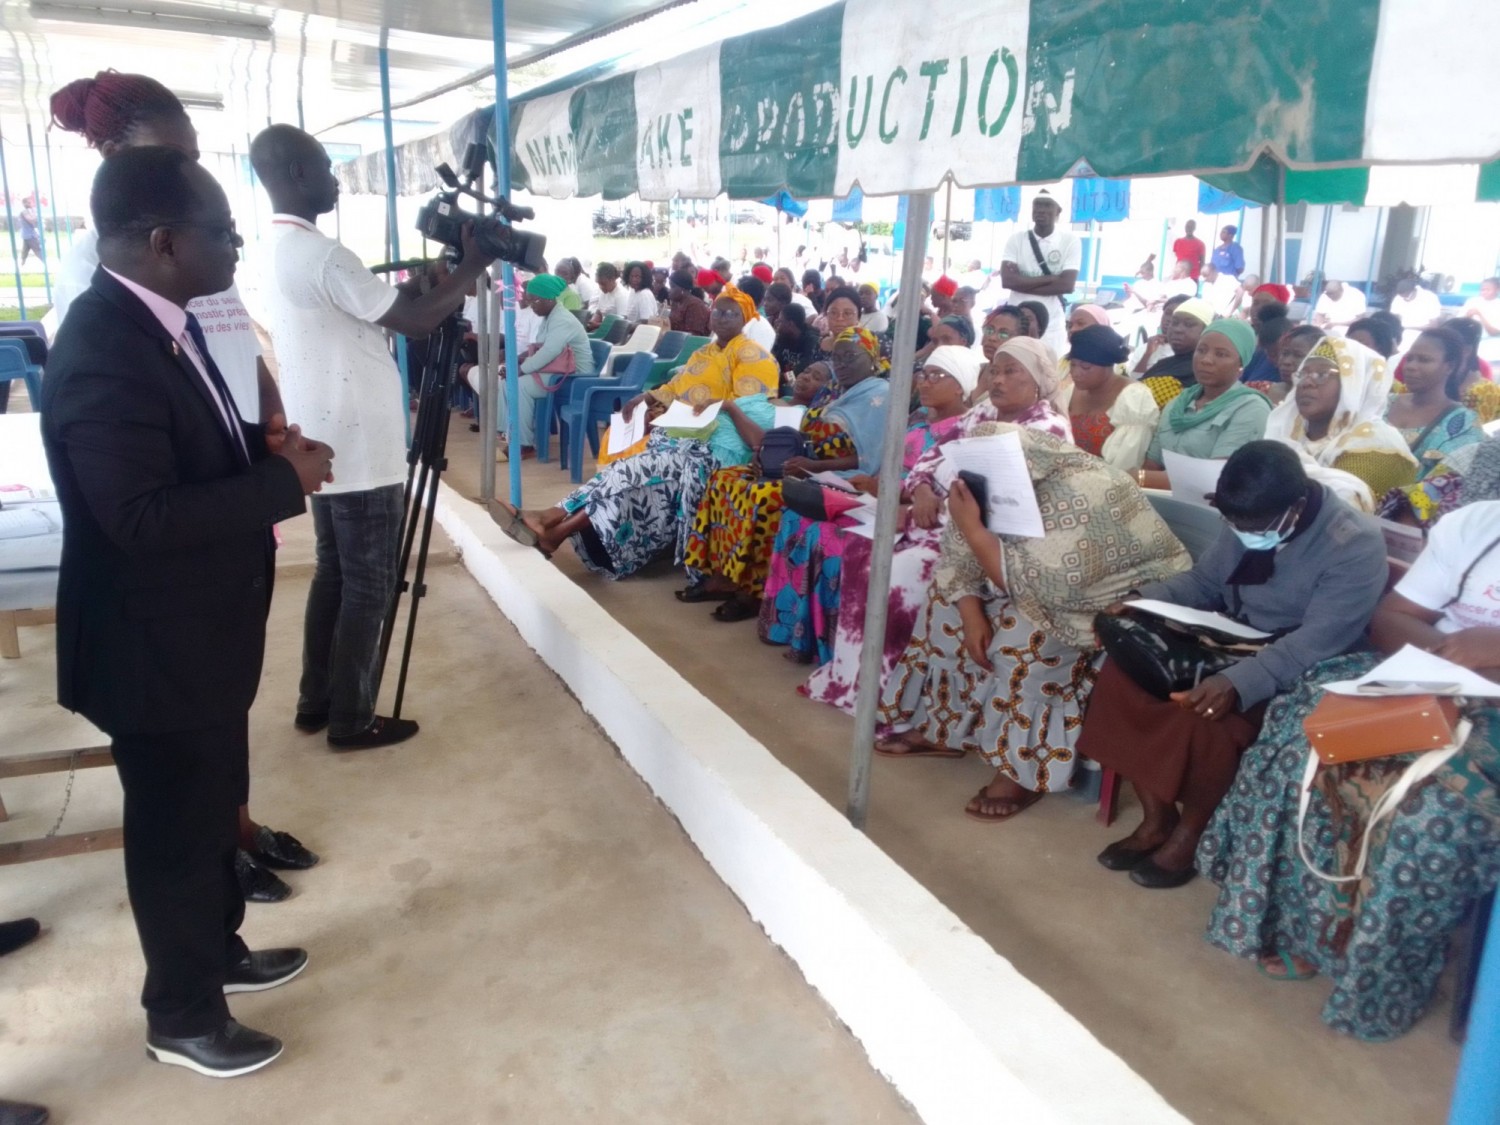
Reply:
x=426, y=461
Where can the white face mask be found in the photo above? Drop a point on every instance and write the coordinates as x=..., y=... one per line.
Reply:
x=1269, y=539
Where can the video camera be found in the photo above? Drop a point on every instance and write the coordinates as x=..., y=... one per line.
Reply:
x=442, y=219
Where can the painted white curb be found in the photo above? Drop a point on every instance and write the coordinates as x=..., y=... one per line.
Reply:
x=955, y=1028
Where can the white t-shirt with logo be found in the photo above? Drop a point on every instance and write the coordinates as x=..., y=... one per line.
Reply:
x=1455, y=542
x=226, y=322
x=1062, y=252
x=338, y=378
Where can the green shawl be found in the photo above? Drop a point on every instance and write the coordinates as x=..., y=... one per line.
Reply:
x=1180, y=418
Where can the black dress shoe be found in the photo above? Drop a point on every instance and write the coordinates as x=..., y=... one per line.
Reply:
x=13, y=935
x=230, y=1051
x=258, y=883
x=1147, y=874
x=22, y=1113
x=310, y=722
x=1116, y=857
x=282, y=850
x=265, y=968
x=382, y=732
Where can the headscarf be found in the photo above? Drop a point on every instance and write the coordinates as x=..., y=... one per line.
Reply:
x=865, y=339
x=747, y=306
x=1098, y=344
x=962, y=325
x=763, y=272
x=547, y=286
x=1060, y=580
x=1237, y=332
x=1039, y=360
x=1358, y=424
x=945, y=286
x=961, y=363
x=1095, y=313
x=1198, y=309
x=707, y=279
x=1281, y=293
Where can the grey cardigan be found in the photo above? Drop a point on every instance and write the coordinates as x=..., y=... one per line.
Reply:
x=1327, y=583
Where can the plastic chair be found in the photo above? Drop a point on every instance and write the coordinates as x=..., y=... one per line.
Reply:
x=589, y=404
x=643, y=339
x=669, y=345
x=548, y=408
x=617, y=334
x=605, y=326
x=15, y=364
x=663, y=366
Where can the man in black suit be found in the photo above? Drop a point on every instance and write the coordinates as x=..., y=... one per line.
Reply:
x=168, y=501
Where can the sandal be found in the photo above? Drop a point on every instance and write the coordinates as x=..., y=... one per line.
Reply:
x=900, y=748
x=1289, y=963
x=701, y=592
x=738, y=608
x=1013, y=805
x=514, y=526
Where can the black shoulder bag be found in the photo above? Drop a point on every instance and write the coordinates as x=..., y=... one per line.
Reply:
x=1036, y=248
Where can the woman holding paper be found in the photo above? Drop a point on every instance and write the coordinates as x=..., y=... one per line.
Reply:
x=1213, y=418
x=729, y=565
x=1294, y=561
x=1003, y=653
x=1335, y=420
x=1382, y=940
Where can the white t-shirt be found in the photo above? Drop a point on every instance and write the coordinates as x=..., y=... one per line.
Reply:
x=225, y=321
x=1348, y=308
x=640, y=304
x=877, y=322
x=1222, y=293
x=1417, y=313
x=613, y=303
x=587, y=291
x=1455, y=542
x=760, y=331
x=1063, y=252
x=338, y=379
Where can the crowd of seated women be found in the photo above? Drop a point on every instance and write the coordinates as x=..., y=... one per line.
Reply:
x=991, y=644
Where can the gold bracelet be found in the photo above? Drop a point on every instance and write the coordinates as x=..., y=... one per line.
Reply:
x=1140, y=477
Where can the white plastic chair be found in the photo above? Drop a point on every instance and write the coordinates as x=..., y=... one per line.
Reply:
x=643, y=339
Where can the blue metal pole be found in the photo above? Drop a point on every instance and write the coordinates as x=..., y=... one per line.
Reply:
x=1476, y=1097
x=393, y=223
x=41, y=220
x=10, y=227
x=507, y=274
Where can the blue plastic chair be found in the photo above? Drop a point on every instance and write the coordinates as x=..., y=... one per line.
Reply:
x=548, y=409
x=15, y=364
x=589, y=404
x=669, y=345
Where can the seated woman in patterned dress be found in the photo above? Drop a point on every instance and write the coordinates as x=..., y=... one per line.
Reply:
x=735, y=522
x=1003, y=655
x=1335, y=420
x=804, y=605
x=1429, y=415
x=1383, y=939
x=1111, y=416
x=1292, y=560
x=641, y=504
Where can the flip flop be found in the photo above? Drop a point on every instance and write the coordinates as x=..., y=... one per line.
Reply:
x=888, y=748
x=700, y=592
x=515, y=528
x=1018, y=805
x=737, y=608
x=1290, y=964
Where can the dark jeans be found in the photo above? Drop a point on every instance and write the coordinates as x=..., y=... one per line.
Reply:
x=351, y=592
x=182, y=797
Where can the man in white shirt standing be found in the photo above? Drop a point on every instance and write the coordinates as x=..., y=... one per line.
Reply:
x=1418, y=309
x=1338, y=306
x=1042, y=263
x=327, y=312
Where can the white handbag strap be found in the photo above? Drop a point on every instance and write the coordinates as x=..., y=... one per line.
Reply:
x=1385, y=807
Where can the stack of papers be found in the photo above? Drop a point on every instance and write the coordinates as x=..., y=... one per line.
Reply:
x=1201, y=618
x=623, y=434
x=680, y=416
x=1415, y=672
x=1194, y=479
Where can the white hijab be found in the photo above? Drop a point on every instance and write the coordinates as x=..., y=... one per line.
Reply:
x=1358, y=424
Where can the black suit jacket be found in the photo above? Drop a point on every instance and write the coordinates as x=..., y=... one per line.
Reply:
x=167, y=552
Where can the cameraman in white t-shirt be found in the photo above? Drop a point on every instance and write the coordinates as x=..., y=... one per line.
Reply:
x=327, y=312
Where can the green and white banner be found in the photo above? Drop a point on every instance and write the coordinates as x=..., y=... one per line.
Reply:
x=894, y=96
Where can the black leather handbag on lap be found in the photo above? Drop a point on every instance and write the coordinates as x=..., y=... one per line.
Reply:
x=779, y=446
x=1163, y=657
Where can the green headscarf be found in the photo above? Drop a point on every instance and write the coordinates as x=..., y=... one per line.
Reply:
x=1238, y=333
x=547, y=286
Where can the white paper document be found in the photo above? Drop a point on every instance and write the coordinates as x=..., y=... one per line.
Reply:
x=1194, y=479
x=1012, y=508
x=680, y=416
x=1491, y=428
x=864, y=522
x=789, y=416
x=1402, y=543
x=1186, y=616
x=623, y=434
x=1424, y=671
x=834, y=481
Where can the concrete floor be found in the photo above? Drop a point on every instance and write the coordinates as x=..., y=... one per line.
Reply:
x=1222, y=1043
x=506, y=926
